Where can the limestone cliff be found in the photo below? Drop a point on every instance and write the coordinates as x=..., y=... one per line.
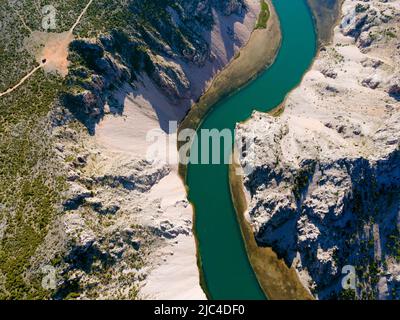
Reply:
x=324, y=192
x=179, y=45
x=126, y=224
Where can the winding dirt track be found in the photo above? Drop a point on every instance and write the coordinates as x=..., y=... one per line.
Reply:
x=41, y=65
x=22, y=80
x=80, y=16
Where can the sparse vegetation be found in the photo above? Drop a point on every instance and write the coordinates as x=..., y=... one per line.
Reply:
x=264, y=16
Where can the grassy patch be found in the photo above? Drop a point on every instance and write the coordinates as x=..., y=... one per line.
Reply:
x=278, y=111
x=264, y=16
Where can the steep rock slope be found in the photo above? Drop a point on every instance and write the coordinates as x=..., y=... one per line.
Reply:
x=324, y=192
x=178, y=45
x=326, y=13
x=125, y=210
x=85, y=216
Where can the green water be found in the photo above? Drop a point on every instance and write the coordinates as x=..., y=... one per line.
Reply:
x=226, y=268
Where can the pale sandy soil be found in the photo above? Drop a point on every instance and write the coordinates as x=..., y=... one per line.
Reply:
x=174, y=278
x=51, y=50
x=311, y=106
x=174, y=273
x=127, y=133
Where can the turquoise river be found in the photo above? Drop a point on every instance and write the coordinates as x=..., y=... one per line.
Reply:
x=225, y=265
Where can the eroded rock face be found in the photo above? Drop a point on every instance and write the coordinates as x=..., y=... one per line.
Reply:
x=364, y=21
x=394, y=87
x=124, y=217
x=235, y=6
x=325, y=187
x=160, y=48
x=112, y=223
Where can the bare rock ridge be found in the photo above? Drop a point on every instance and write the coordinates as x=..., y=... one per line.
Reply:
x=126, y=225
x=324, y=193
x=166, y=41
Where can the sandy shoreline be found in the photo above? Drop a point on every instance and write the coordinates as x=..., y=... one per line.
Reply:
x=173, y=273
x=277, y=280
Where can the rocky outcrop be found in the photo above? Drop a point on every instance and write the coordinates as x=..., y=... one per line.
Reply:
x=112, y=222
x=365, y=21
x=326, y=13
x=175, y=37
x=125, y=218
x=324, y=189
x=394, y=88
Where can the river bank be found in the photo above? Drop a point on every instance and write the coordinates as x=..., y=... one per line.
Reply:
x=131, y=189
x=326, y=16
x=222, y=254
x=277, y=280
x=337, y=138
x=253, y=58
